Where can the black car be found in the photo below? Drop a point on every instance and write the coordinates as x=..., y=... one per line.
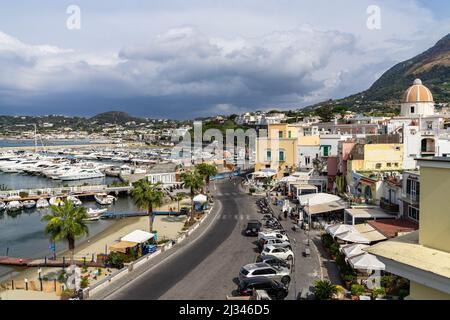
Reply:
x=276, y=290
x=273, y=261
x=253, y=227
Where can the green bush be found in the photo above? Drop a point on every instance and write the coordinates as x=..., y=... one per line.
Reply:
x=327, y=240
x=334, y=249
x=252, y=190
x=377, y=292
x=402, y=293
x=324, y=290
x=349, y=277
x=357, y=290
x=116, y=260
x=84, y=283
x=23, y=194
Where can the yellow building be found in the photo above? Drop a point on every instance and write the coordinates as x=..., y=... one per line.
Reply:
x=277, y=154
x=287, y=142
x=423, y=256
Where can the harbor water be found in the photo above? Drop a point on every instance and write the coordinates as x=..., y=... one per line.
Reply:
x=22, y=233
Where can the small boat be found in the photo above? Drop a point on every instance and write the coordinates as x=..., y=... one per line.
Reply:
x=2, y=206
x=104, y=199
x=28, y=204
x=55, y=201
x=14, y=206
x=42, y=203
x=95, y=214
x=76, y=202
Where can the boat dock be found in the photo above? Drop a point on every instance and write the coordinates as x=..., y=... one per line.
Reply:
x=28, y=262
x=46, y=193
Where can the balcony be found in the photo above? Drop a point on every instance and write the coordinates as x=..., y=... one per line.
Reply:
x=412, y=199
x=388, y=206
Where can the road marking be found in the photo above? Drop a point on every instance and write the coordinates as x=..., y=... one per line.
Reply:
x=171, y=256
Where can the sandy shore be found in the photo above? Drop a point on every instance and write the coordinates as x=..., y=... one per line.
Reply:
x=167, y=227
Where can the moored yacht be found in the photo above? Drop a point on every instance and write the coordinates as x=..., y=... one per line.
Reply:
x=28, y=204
x=104, y=199
x=75, y=200
x=81, y=174
x=14, y=206
x=42, y=203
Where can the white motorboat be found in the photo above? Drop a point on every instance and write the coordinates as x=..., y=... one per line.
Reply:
x=55, y=201
x=28, y=204
x=95, y=214
x=14, y=206
x=2, y=206
x=42, y=203
x=104, y=199
x=75, y=200
x=81, y=174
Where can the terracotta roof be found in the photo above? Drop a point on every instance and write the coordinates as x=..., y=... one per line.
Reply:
x=391, y=227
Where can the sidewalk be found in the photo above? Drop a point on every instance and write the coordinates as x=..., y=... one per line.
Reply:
x=307, y=270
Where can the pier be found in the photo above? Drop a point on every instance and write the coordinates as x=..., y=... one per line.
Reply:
x=46, y=193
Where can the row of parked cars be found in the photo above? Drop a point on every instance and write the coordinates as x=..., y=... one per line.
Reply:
x=272, y=270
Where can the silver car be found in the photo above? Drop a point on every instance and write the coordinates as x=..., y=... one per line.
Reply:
x=262, y=269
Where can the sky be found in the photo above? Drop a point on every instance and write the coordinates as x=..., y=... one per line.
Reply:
x=185, y=59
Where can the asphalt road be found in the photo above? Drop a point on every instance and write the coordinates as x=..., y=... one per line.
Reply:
x=207, y=268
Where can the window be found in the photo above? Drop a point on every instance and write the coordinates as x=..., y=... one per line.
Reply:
x=281, y=155
x=413, y=213
x=280, y=134
x=307, y=160
x=268, y=155
x=378, y=166
x=388, y=164
x=413, y=109
x=429, y=125
x=289, y=134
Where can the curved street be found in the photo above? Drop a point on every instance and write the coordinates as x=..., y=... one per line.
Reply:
x=206, y=268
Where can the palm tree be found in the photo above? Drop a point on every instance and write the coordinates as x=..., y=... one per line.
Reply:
x=324, y=290
x=146, y=196
x=194, y=181
x=66, y=222
x=178, y=197
x=206, y=170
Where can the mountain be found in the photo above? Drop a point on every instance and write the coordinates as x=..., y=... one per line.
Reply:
x=431, y=66
x=115, y=117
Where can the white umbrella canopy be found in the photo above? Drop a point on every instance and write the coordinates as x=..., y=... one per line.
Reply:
x=366, y=262
x=354, y=249
x=336, y=229
x=200, y=198
x=317, y=199
x=353, y=236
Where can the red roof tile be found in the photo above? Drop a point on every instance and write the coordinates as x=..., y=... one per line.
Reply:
x=391, y=227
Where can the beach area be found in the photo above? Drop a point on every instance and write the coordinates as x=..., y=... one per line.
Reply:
x=166, y=227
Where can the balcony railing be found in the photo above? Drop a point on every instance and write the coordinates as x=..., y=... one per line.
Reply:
x=388, y=206
x=410, y=198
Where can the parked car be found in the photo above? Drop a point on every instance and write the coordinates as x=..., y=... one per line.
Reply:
x=184, y=211
x=265, y=270
x=253, y=228
x=273, y=234
x=265, y=241
x=278, y=252
x=275, y=290
x=273, y=261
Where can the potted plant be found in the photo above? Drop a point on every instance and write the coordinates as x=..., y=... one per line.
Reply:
x=378, y=293
x=340, y=293
x=348, y=279
x=324, y=290
x=357, y=290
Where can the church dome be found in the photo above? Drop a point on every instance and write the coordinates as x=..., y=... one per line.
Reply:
x=418, y=93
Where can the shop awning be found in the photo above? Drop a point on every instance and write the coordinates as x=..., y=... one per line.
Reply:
x=366, y=262
x=138, y=236
x=122, y=246
x=200, y=198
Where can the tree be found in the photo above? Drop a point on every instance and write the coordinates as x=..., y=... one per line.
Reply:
x=178, y=197
x=324, y=290
x=146, y=196
x=325, y=113
x=206, y=170
x=66, y=222
x=192, y=180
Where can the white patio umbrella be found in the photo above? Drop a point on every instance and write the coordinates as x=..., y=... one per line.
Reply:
x=201, y=198
x=366, y=262
x=336, y=229
x=354, y=249
x=353, y=236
